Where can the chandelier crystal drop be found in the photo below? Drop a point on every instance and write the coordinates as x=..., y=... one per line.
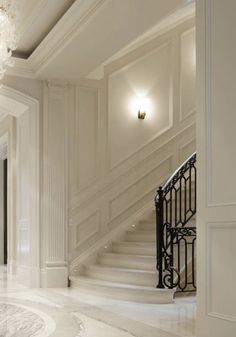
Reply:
x=7, y=35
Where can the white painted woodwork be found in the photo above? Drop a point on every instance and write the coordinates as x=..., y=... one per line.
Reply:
x=54, y=204
x=116, y=161
x=84, y=31
x=216, y=118
x=1, y=213
x=105, y=185
x=20, y=128
x=127, y=85
x=125, y=268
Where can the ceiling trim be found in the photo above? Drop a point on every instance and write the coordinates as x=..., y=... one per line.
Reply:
x=73, y=21
x=70, y=25
x=21, y=68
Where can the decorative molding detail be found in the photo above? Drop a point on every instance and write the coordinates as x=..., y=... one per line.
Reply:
x=82, y=186
x=162, y=45
x=111, y=180
x=93, y=218
x=108, y=186
x=184, y=146
x=21, y=68
x=167, y=160
x=172, y=21
x=69, y=26
x=193, y=110
x=210, y=202
x=209, y=228
x=54, y=203
x=115, y=232
x=74, y=20
x=17, y=104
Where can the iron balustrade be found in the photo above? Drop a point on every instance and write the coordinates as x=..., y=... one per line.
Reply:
x=175, y=239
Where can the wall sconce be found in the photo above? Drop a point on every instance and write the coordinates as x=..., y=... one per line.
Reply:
x=141, y=114
x=143, y=106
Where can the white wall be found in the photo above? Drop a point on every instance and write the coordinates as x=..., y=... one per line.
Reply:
x=21, y=129
x=100, y=164
x=1, y=213
x=216, y=137
x=116, y=161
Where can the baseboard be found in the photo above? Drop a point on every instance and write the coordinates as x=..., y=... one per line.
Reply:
x=54, y=277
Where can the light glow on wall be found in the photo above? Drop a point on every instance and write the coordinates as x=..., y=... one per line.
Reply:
x=142, y=104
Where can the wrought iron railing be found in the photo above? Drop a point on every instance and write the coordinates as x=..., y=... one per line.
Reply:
x=175, y=237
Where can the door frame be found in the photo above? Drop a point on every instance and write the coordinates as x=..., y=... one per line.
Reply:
x=14, y=104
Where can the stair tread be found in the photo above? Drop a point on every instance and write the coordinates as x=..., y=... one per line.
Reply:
x=119, y=269
x=110, y=254
x=114, y=284
x=139, y=231
x=134, y=243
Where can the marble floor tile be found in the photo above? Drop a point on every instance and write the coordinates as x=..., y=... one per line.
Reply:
x=69, y=312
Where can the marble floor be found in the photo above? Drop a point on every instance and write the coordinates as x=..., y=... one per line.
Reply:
x=68, y=312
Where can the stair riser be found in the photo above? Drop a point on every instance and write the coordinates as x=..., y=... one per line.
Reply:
x=134, y=263
x=124, y=277
x=151, y=251
x=141, y=237
x=147, y=226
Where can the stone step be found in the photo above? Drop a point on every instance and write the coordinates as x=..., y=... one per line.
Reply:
x=120, y=291
x=146, y=225
x=132, y=261
x=141, y=236
x=126, y=247
x=151, y=225
x=122, y=275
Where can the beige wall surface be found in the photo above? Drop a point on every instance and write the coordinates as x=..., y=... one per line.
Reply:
x=216, y=120
x=117, y=161
x=100, y=164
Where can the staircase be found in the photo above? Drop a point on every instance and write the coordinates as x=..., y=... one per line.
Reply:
x=127, y=270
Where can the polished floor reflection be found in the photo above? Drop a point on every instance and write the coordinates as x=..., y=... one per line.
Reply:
x=70, y=313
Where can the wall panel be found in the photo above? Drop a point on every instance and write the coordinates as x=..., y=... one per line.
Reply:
x=116, y=161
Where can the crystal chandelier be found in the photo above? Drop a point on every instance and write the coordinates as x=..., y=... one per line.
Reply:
x=7, y=35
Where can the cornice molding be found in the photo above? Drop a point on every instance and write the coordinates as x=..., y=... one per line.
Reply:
x=73, y=21
x=21, y=68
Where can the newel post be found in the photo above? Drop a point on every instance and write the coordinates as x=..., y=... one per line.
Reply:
x=159, y=236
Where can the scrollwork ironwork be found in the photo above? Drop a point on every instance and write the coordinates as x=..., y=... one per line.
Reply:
x=175, y=206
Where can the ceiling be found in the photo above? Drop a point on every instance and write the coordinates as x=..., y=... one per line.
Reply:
x=68, y=39
x=34, y=20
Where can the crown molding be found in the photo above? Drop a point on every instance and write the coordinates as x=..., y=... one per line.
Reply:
x=71, y=24
x=21, y=68
x=73, y=21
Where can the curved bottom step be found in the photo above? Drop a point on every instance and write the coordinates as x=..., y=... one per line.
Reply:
x=124, y=292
